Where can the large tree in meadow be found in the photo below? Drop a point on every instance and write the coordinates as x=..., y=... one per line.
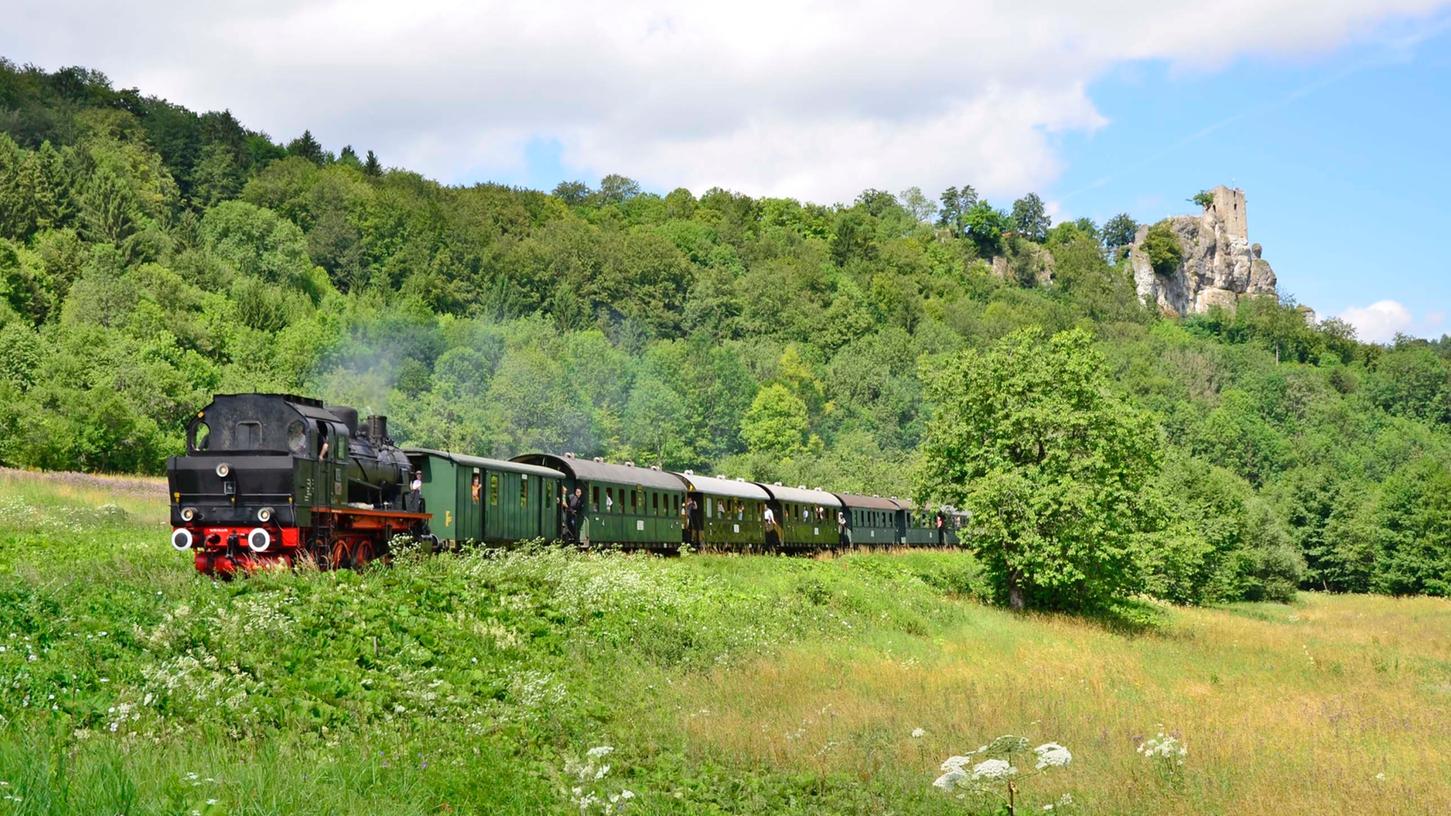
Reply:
x=1027, y=438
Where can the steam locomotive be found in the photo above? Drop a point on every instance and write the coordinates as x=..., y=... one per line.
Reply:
x=270, y=478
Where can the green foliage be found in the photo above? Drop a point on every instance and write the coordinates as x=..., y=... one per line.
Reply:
x=1027, y=438
x=776, y=422
x=1410, y=540
x=1413, y=381
x=985, y=226
x=955, y=206
x=1030, y=218
x=1119, y=231
x=1164, y=249
x=1203, y=198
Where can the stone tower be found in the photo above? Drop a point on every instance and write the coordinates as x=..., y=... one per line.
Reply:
x=1219, y=267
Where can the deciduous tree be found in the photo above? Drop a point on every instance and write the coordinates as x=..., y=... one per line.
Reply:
x=1027, y=437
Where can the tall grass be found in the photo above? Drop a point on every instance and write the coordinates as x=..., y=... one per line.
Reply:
x=724, y=684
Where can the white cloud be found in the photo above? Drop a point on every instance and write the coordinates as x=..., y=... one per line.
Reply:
x=1380, y=321
x=817, y=99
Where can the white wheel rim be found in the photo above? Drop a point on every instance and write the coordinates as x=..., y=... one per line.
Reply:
x=181, y=539
x=258, y=535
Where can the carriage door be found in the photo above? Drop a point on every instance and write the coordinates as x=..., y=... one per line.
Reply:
x=473, y=525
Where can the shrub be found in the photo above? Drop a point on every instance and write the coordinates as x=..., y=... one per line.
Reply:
x=1163, y=247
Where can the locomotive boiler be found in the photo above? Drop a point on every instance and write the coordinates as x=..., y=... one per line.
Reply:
x=268, y=479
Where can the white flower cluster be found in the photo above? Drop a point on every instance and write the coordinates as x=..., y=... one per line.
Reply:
x=586, y=775
x=1052, y=755
x=960, y=771
x=1164, y=747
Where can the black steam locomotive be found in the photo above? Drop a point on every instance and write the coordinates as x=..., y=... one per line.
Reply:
x=271, y=478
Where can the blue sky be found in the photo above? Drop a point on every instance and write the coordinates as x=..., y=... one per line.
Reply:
x=1344, y=161
x=1330, y=114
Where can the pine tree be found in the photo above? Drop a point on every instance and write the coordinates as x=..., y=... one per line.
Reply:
x=371, y=166
x=109, y=211
x=307, y=147
x=215, y=177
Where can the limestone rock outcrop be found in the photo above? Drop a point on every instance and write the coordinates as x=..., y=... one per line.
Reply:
x=1220, y=265
x=1036, y=265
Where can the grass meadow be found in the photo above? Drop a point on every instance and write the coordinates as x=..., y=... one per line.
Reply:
x=480, y=683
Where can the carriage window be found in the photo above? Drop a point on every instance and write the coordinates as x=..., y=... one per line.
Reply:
x=708, y=506
x=493, y=489
x=594, y=502
x=524, y=491
x=635, y=500
x=609, y=500
x=297, y=437
x=201, y=436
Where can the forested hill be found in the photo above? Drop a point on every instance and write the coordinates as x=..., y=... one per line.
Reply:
x=151, y=256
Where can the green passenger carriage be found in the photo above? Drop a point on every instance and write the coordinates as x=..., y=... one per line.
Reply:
x=473, y=499
x=873, y=520
x=807, y=518
x=624, y=505
x=728, y=513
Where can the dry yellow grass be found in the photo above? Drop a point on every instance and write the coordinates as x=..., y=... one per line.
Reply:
x=142, y=497
x=1284, y=709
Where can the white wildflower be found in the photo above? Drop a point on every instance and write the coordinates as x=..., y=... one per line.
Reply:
x=1380, y=777
x=1164, y=747
x=1052, y=755
x=919, y=733
x=955, y=762
x=599, y=752
x=993, y=769
x=949, y=780
x=212, y=801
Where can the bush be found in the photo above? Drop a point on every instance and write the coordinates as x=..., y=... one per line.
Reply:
x=1163, y=247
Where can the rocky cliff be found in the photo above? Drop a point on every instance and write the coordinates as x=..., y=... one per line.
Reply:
x=1220, y=265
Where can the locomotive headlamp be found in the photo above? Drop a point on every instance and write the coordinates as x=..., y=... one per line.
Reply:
x=223, y=469
x=264, y=515
x=188, y=513
x=258, y=540
x=181, y=539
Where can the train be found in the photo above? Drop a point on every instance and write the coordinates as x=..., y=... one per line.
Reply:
x=269, y=480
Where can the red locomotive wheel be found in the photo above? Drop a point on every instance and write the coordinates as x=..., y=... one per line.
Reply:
x=362, y=553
